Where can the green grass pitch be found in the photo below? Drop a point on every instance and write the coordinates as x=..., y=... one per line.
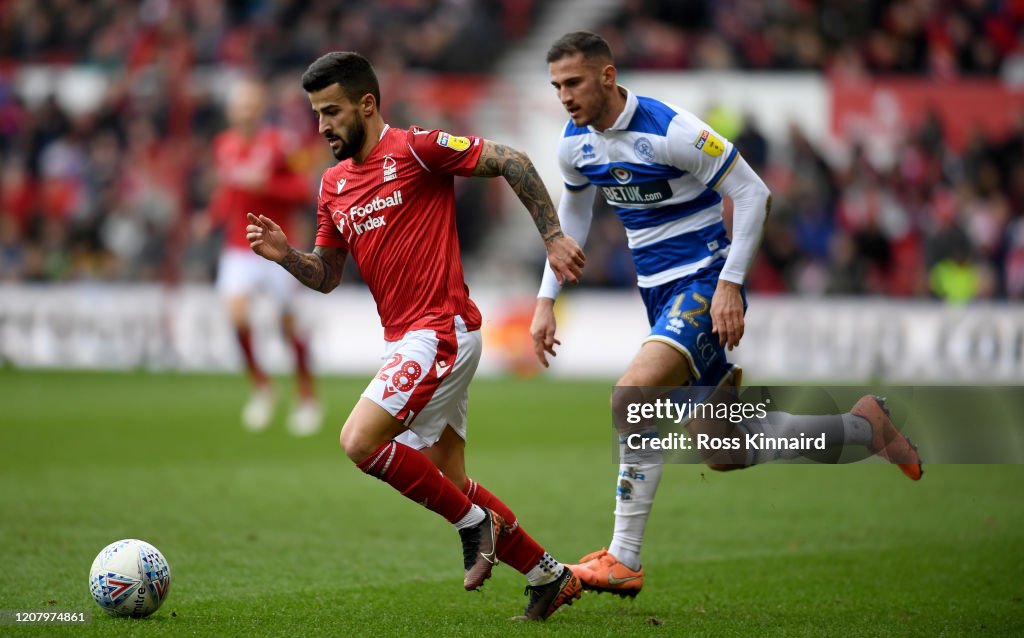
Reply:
x=268, y=535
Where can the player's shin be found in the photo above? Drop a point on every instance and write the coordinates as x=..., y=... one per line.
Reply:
x=820, y=437
x=516, y=547
x=410, y=472
x=244, y=336
x=639, y=474
x=303, y=374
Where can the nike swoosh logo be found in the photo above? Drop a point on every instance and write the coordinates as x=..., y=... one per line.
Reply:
x=612, y=580
x=489, y=557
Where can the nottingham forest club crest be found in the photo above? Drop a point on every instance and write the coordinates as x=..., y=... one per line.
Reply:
x=390, y=168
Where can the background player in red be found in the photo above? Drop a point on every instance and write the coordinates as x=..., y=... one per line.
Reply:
x=390, y=202
x=253, y=174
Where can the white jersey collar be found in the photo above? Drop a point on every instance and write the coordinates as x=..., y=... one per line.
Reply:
x=622, y=122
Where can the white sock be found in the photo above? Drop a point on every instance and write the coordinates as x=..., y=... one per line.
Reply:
x=546, y=570
x=639, y=475
x=473, y=517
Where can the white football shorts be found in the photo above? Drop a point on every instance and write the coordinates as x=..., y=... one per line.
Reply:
x=424, y=382
x=241, y=272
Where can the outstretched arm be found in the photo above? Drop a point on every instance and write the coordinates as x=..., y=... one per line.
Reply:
x=564, y=254
x=517, y=169
x=320, y=270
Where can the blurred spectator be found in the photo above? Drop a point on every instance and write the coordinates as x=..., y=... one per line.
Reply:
x=12, y=250
x=752, y=144
x=1014, y=267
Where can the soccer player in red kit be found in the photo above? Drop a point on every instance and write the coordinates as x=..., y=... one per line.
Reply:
x=253, y=174
x=390, y=202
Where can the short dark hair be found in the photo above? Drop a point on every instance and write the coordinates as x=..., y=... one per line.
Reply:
x=347, y=68
x=591, y=45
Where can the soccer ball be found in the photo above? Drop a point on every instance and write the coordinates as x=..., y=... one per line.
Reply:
x=129, y=578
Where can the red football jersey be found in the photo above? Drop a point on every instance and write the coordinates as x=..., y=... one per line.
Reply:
x=277, y=188
x=395, y=213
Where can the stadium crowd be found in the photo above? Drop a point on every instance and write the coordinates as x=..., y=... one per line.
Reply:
x=270, y=35
x=113, y=191
x=935, y=37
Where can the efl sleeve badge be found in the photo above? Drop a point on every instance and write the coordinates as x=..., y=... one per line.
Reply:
x=453, y=142
x=708, y=143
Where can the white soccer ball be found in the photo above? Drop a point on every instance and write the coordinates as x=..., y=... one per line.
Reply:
x=129, y=578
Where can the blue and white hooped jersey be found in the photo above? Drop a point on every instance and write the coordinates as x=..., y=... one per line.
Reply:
x=658, y=167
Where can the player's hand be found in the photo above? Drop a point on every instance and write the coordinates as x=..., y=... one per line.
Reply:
x=727, y=313
x=566, y=258
x=266, y=238
x=542, y=330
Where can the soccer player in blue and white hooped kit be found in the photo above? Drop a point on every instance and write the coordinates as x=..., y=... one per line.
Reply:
x=664, y=171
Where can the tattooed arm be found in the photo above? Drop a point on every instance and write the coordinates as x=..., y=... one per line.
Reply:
x=320, y=270
x=517, y=169
x=515, y=166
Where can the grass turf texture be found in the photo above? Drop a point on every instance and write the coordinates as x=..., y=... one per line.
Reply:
x=271, y=535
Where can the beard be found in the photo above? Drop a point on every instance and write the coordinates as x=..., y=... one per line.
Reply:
x=351, y=141
x=600, y=108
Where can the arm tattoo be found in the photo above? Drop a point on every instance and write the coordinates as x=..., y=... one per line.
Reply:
x=519, y=172
x=320, y=270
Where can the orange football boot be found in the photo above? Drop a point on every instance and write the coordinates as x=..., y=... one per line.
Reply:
x=886, y=441
x=602, y=572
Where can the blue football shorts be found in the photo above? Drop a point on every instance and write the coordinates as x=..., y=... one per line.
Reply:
x=680, y=315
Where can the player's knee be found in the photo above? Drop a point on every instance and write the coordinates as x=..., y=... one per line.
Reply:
x=357, y=447
x=238, y=312
x=288, y=324
x=348, y=445
x=630, y=379
x=621, y=399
